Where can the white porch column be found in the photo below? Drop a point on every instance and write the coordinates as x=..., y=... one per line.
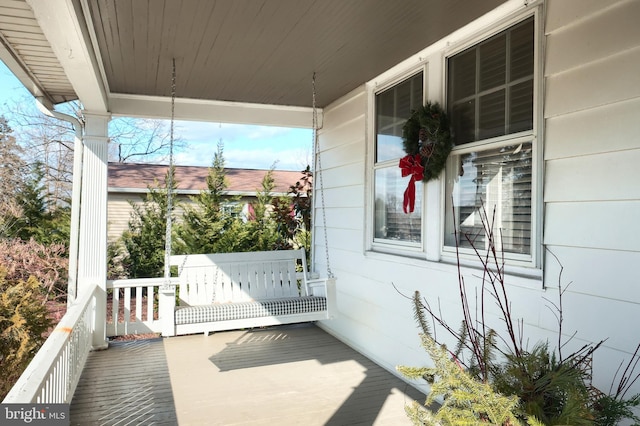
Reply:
x=166, y=308
x=92, y=257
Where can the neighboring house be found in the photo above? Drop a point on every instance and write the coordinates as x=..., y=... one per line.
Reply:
x=544, y=99
x=130, y=182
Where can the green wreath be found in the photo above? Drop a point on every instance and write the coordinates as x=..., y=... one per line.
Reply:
x=427, y=133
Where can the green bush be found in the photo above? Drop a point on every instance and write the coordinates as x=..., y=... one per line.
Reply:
x=212, y=223
x=141, y=254
x=23, y=322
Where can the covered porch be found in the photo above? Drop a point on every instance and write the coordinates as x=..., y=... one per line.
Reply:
x=285, y=375
x=244, y=62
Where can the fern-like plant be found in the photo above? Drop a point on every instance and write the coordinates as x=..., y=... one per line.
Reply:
x=551, y=387
x=465, y=400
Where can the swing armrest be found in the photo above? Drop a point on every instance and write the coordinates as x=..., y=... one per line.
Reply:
x=324, y=287
x=317, y=287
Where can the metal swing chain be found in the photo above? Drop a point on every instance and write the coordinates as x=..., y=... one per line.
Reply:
x=316, y=148
x=167, y=246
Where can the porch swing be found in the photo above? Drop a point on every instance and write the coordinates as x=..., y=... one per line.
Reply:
x=226, y=291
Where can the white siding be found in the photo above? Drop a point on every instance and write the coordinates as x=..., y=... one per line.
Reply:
x=591, y=195
x=363, y=286
x=342, y=156
x=592, y=177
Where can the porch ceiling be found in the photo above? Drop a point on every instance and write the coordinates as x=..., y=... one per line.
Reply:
x=248, y=51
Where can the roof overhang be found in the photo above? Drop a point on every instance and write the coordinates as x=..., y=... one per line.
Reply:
x=241, y=61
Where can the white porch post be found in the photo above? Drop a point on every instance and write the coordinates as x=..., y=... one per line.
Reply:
x=92, y=258
x=166, y=308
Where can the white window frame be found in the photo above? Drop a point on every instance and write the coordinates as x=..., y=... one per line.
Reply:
x=534, y=135
x=433, y=62
x=387, y=245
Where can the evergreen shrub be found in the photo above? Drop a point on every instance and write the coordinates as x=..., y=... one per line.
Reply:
x=24, y=321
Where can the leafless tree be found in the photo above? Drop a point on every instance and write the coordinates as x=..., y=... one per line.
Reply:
x=50, y=142
x=140, y=140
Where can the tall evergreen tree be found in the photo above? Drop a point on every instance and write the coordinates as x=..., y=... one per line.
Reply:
x=261, y=231
x=12, y=171
x=209, y=227
x=34, y=206
x=144, y=240
x=38, y=219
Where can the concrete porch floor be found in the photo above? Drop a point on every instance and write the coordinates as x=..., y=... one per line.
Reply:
x=286, y=375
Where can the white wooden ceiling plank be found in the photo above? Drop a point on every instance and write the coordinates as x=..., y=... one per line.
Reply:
x=29, y=49
x=43, y=61
x=56, y=87
x=209, y=47
x=61, y=23
x=15, y=12
x=174, y=45
x=48, y=71
x=154, y=47
x=222, y=61
x=31, y=28
x=140, y=43
x=10, y=18
x=194, y=21
x=105, y=28
x=14, y=4
x=21, y=72
x=118, y=43
x=20, y=36
x=269, y=31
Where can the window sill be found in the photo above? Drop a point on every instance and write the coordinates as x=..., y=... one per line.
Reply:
x=517, y=275
x=510, y=270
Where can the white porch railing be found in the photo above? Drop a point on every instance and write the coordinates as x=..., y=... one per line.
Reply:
x=134, y=306
x=53, y=374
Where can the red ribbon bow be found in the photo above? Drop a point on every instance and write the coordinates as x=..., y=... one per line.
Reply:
x=411, y=166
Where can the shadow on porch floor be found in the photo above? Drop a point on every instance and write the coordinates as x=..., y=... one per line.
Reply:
x=286, y=375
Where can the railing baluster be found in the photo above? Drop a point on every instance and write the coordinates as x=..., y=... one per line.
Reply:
x=150, y=303
x=127, y=309
x=116, y=309
x=144, y=320
x=53, y=374
x=139, y=313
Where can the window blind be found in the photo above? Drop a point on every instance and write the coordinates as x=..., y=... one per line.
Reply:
x=492, y=181
x=490, y=86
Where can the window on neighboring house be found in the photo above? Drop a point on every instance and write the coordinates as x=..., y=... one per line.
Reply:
x=232, y=208
x=490, y=99
x=393, y=109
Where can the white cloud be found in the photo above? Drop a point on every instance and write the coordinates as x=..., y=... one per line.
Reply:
x=264, y=158
x=244, y=146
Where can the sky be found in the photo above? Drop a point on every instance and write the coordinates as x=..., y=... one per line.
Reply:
x=251, y=147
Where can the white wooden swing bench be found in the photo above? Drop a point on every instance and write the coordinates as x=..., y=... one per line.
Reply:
x=226, y=291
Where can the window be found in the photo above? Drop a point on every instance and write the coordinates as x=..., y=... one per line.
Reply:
x=393, y=109
x=490, y=93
